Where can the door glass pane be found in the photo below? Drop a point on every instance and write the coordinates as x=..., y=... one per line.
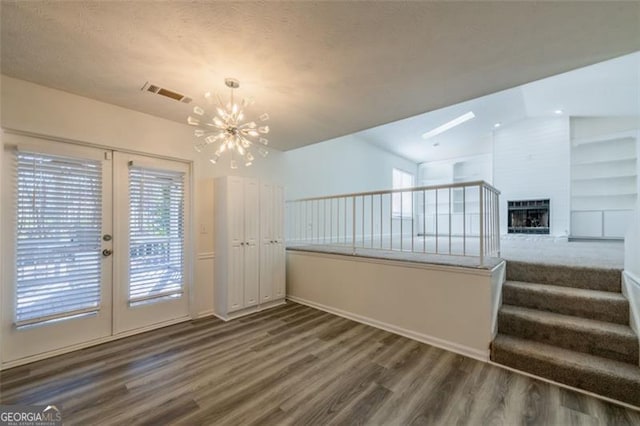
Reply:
x=156, y=234
x=59, y=223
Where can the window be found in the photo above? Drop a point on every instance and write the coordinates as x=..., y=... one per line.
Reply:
x=402, y=201
x=156, y=221
x=59, y=219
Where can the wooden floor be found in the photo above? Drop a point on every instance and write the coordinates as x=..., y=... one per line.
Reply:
x=291, y=365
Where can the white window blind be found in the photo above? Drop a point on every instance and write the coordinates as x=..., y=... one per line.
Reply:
x=156, y=234
x=402, y=201
x=59, y=225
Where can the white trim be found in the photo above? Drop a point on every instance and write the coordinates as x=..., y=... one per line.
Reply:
x=206, y=255
x=562, y=385
x=18, y=132
x=250, y=310
x=95, y=342
x=471, y=270
x=424, y=338
x=203, y=314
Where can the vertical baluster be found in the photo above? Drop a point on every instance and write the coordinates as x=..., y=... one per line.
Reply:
x=497, y=207
x=345, y=220
x=381, y=221
x=424, y=221
x=401, y=220
x=353, y=222
x=330, y=220
x=491, y=221
x=363, y=215
x=371, y=220
x=390, y=221
x=324, y=221
x=450, y=219
x=298, y=221
x=481, y=195
x=437, y=236
x=464, y=220
x=413, y=214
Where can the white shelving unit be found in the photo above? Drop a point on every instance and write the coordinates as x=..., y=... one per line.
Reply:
x=603, y=185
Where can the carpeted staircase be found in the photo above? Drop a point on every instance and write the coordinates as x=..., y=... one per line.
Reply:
x=570, y=325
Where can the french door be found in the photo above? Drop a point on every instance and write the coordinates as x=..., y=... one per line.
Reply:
x=95, y=245
x=151, y=228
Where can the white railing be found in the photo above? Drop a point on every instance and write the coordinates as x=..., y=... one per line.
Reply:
x=459, y=219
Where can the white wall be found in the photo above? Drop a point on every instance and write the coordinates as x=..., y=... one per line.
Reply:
x=461, y=169
x=448, y=307
x=342, y=165
x=531, y=161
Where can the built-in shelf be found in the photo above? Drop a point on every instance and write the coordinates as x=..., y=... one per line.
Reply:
x=603, y=183
x=606, y=138
x=605, y=178
x=601, y=160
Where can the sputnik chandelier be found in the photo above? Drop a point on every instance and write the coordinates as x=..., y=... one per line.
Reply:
x=226, y=130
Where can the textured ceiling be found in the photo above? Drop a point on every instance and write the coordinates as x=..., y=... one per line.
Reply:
x=321, y=69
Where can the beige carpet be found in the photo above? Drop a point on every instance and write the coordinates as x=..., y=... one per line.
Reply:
x=555, y=251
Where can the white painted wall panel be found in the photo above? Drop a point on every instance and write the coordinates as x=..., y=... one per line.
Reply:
x=531, y=161
x=452, y=308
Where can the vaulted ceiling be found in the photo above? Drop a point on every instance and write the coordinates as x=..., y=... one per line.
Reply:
x=321, y=69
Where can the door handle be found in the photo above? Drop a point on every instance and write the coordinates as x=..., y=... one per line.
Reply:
x=106, y=252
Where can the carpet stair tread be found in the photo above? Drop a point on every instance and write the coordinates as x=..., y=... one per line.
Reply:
x=614, y=379
x=593, y=304
x=568, y=276
x=604, y=339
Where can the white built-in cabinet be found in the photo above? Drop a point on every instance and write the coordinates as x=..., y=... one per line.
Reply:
x=250, y=254
x=272, y=250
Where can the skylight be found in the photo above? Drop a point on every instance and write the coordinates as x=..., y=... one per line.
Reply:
x=449, y=125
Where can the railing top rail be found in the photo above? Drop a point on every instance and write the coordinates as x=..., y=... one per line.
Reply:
x=412, y=189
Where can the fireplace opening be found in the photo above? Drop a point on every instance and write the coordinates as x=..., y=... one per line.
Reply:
x=528, y=217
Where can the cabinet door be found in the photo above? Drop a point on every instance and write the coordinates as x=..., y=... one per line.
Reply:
x=266, y=238
x=235, y=228
x=266, y=273
x=235, y=278
x=278, y=255
x=251, y=275
x=278, y=214
x=279, y=266
x=251, y=256
x=235, y=213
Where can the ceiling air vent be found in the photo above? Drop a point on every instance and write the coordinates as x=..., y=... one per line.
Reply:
x=148, y=87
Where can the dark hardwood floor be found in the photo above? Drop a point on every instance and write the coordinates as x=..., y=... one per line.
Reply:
x=291, y=365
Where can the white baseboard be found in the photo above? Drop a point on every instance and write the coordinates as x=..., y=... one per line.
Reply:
x=202, y=314
x=251, y=310
x=424, y=338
